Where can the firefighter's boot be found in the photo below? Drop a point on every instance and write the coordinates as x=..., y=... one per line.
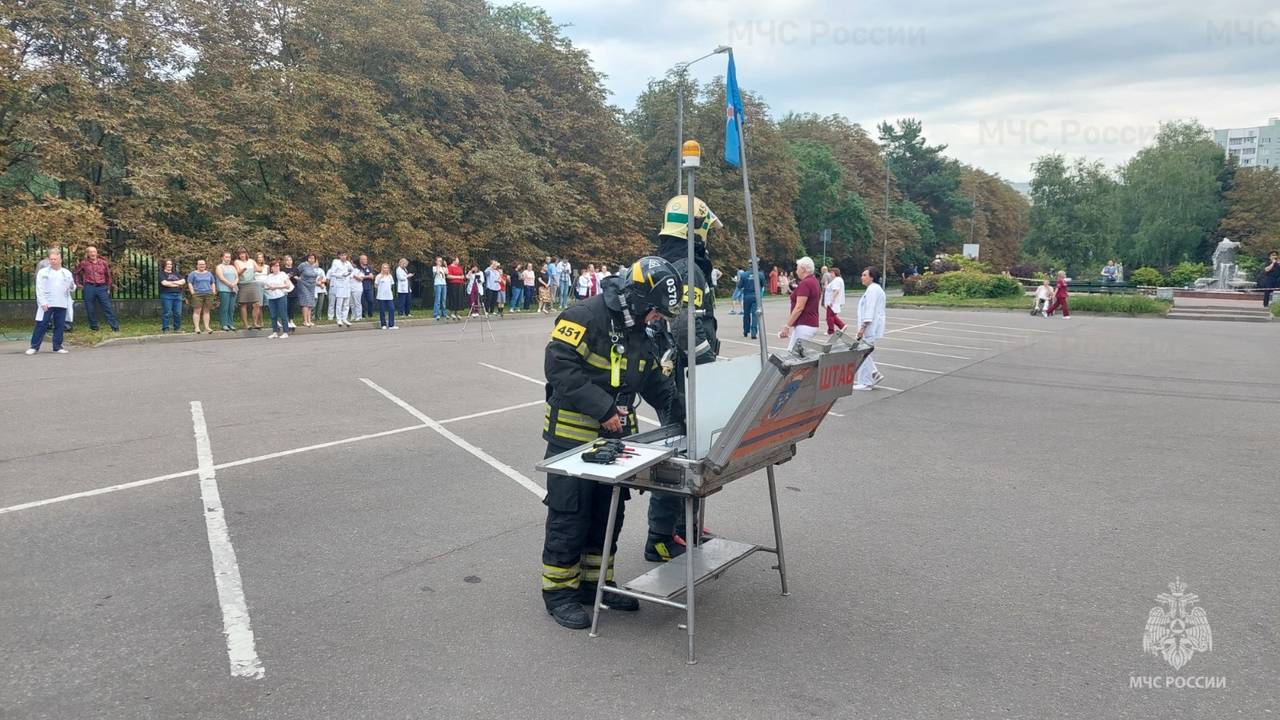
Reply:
x=571, y=615
x=661, y=548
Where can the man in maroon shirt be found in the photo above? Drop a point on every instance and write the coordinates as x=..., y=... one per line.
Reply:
x=94, y=275
x=802, y=323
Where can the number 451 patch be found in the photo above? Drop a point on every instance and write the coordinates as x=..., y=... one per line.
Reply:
x=569, y=332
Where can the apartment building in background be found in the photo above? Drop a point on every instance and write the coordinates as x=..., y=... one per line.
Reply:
x=1253, y=146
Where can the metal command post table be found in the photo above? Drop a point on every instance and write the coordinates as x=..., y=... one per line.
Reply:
x=750, y=418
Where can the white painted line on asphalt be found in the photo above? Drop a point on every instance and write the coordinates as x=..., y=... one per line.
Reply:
x=318, y=446
x=540, y=383
x=953, y=337
x=508, y=408
x=752, y=344
x=777, y=347
x=250, y=460
x=981, y=332
x=996, y=327
x=512, y=373
x=836, y=414
x=481, y=455
x=890, y=389
x=220, y=466
x=913, y=327
x=912, y=369
x=902, y=367
x=881, y=348
x=926, y=342
x=96, y=491
x=226, y=572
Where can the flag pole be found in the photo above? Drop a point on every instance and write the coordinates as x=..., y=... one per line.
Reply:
x=751, y=234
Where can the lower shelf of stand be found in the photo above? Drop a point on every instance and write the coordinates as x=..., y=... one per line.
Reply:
x=711, y=558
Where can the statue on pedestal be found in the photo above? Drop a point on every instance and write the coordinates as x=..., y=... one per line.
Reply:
x=1226, y=273
x=1225, y=253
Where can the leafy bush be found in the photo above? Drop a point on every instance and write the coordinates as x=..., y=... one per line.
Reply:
x=1040, y=262
x=1250, y=265
x=944, y=264
x=1115, y=304
x=1186, y=273
x=941, y=300
x=1132, y=304
x=1004, y=286
x=963, y=263
x=971, y=284
x=920, y=284
x=1147, y=276
x=1025, y=270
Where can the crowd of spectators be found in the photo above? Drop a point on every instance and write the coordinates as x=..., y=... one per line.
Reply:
x=342, y=291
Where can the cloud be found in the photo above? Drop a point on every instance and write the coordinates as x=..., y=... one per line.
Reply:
x=999, y=83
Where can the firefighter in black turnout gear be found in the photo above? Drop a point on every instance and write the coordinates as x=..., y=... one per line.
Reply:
x=666, y=511
x=599, y=358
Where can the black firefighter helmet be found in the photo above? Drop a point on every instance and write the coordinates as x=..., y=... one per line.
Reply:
x=651, y=284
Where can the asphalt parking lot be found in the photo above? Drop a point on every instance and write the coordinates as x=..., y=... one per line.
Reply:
x=983, y=536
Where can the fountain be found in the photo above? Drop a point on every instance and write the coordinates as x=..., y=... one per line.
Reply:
x=1226, y=274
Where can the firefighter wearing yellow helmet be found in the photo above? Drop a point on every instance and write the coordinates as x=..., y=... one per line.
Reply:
x=675, y=219
x=666, y=512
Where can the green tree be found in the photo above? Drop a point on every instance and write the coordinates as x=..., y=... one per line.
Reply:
x=1253, y=210
x=1172, y=197
x=824, y=201
x=92, y=113
x=1073, y=213
x=774, y=180
x=999, y=220
x=926, y=177
x=864, y=173
x=920, y=250
x=391, y=126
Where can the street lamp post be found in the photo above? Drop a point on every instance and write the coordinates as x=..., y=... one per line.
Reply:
x=683, y=69
x=973, y=214
x=884, y=253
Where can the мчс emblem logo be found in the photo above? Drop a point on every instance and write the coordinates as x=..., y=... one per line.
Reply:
x=784, y=397
x=1177, y=631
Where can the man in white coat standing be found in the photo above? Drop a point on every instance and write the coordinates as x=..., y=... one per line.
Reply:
x=870, y=326
x=54, y=285
x=339, y=280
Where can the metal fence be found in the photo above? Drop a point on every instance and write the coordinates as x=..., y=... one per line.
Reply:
x=134, y=273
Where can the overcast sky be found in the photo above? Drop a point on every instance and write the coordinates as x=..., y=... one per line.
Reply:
x=1000, y=82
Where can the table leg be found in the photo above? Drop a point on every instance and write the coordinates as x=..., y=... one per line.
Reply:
x=689, y=574
x=605, y=556
x=777, y=531
x=701, y=517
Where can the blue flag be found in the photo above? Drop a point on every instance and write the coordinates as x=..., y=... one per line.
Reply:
x=732, y=111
